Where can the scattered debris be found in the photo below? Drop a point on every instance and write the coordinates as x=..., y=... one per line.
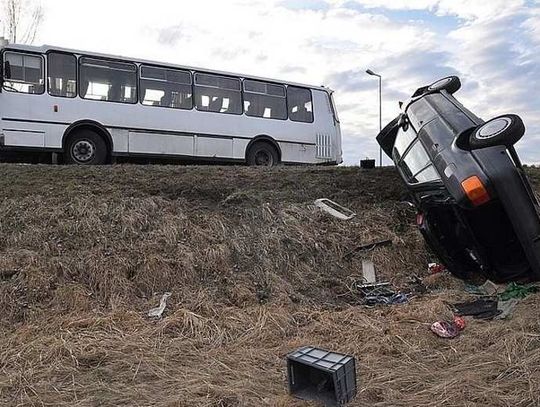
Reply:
x=368, y=271
x=506, y=308
x=392, y=299
x=158, y=311
x=515, y=290
x=460, y=322
x=366, y=288
x=436, y=268
x=445, y=329
x=488, y=288
x=319, y=375
x=368, y=247
x=382, y=294
x=479, y=309
x=334, y=209
x=376, y=293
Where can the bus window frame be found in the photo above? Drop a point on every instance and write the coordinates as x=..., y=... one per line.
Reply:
x=81, y=56
x=52, y=51
x=31, y=53
x=312, y=105
x=192, y=85
x=286, y=118
x=194, y=73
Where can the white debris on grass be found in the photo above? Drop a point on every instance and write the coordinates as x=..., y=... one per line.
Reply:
x=158, y=311
x=334, y=209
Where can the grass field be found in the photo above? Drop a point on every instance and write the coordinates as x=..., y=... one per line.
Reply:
x=255, y=271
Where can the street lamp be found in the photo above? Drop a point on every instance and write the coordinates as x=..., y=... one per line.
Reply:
x=370, y=72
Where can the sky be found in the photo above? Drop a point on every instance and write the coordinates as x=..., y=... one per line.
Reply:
x=492, y=45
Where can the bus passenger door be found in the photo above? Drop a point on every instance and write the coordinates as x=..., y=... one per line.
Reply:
x=161, y=144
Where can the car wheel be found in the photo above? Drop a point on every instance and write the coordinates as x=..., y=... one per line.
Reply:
x=451, y=84
x=262, y=154
x=504, y=130
x=86, y=148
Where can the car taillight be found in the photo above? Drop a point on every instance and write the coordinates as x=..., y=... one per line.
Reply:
x=475, y=190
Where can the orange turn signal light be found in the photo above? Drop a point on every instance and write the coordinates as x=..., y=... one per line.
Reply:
x=475, y=190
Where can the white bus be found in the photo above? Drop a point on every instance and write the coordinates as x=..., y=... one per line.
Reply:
x=91, y=108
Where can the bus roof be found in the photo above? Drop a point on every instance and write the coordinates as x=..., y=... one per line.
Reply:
x=46, y=48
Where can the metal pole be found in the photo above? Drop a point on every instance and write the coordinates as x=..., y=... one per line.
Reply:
x=370, y=72
x=380, y=118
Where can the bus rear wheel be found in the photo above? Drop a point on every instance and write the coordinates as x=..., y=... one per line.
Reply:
x=262, y=154
x=86, y=147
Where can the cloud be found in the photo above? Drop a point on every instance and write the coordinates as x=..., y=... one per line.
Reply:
x=172, y=35
x=313, y=5
x=501, y=55
x=352, y=80
x=466, y=9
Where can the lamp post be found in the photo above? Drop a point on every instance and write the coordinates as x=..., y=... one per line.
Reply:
x=370, y=72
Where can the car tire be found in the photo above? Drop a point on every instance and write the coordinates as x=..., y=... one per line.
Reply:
x=504, y=130
x=262, y=154
x=451, y=84
x=86, y=147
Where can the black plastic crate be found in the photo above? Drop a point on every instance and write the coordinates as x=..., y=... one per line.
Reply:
x=326, y=377
x=367, y=164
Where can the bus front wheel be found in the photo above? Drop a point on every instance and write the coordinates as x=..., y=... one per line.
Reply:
x=86, y=147
x=262, y=154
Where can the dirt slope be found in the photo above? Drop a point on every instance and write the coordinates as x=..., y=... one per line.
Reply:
x=254, y=270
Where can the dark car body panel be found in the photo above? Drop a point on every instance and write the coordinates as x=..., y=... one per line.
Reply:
x=518, y=200
x=500, y=239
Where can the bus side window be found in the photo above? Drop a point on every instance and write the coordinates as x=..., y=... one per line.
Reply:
x=300, y=104
x=218, y=94
x=166, y=87
x=266, y=100
x=25, y=73
x=108, y=80
x=62, y=74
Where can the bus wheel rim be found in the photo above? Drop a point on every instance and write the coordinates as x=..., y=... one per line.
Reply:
x=83, y=151
x=263, y=158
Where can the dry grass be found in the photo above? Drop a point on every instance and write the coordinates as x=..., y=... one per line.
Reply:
x=255, y=270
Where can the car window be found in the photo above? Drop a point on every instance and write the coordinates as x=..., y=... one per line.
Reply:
x=416, y=158
x=427, y=175
x=416, y=165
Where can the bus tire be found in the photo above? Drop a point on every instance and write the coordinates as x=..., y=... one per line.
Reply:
x=262, y=154
x=85, y=147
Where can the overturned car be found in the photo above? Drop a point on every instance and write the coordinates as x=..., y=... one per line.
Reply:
x=476, y=208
